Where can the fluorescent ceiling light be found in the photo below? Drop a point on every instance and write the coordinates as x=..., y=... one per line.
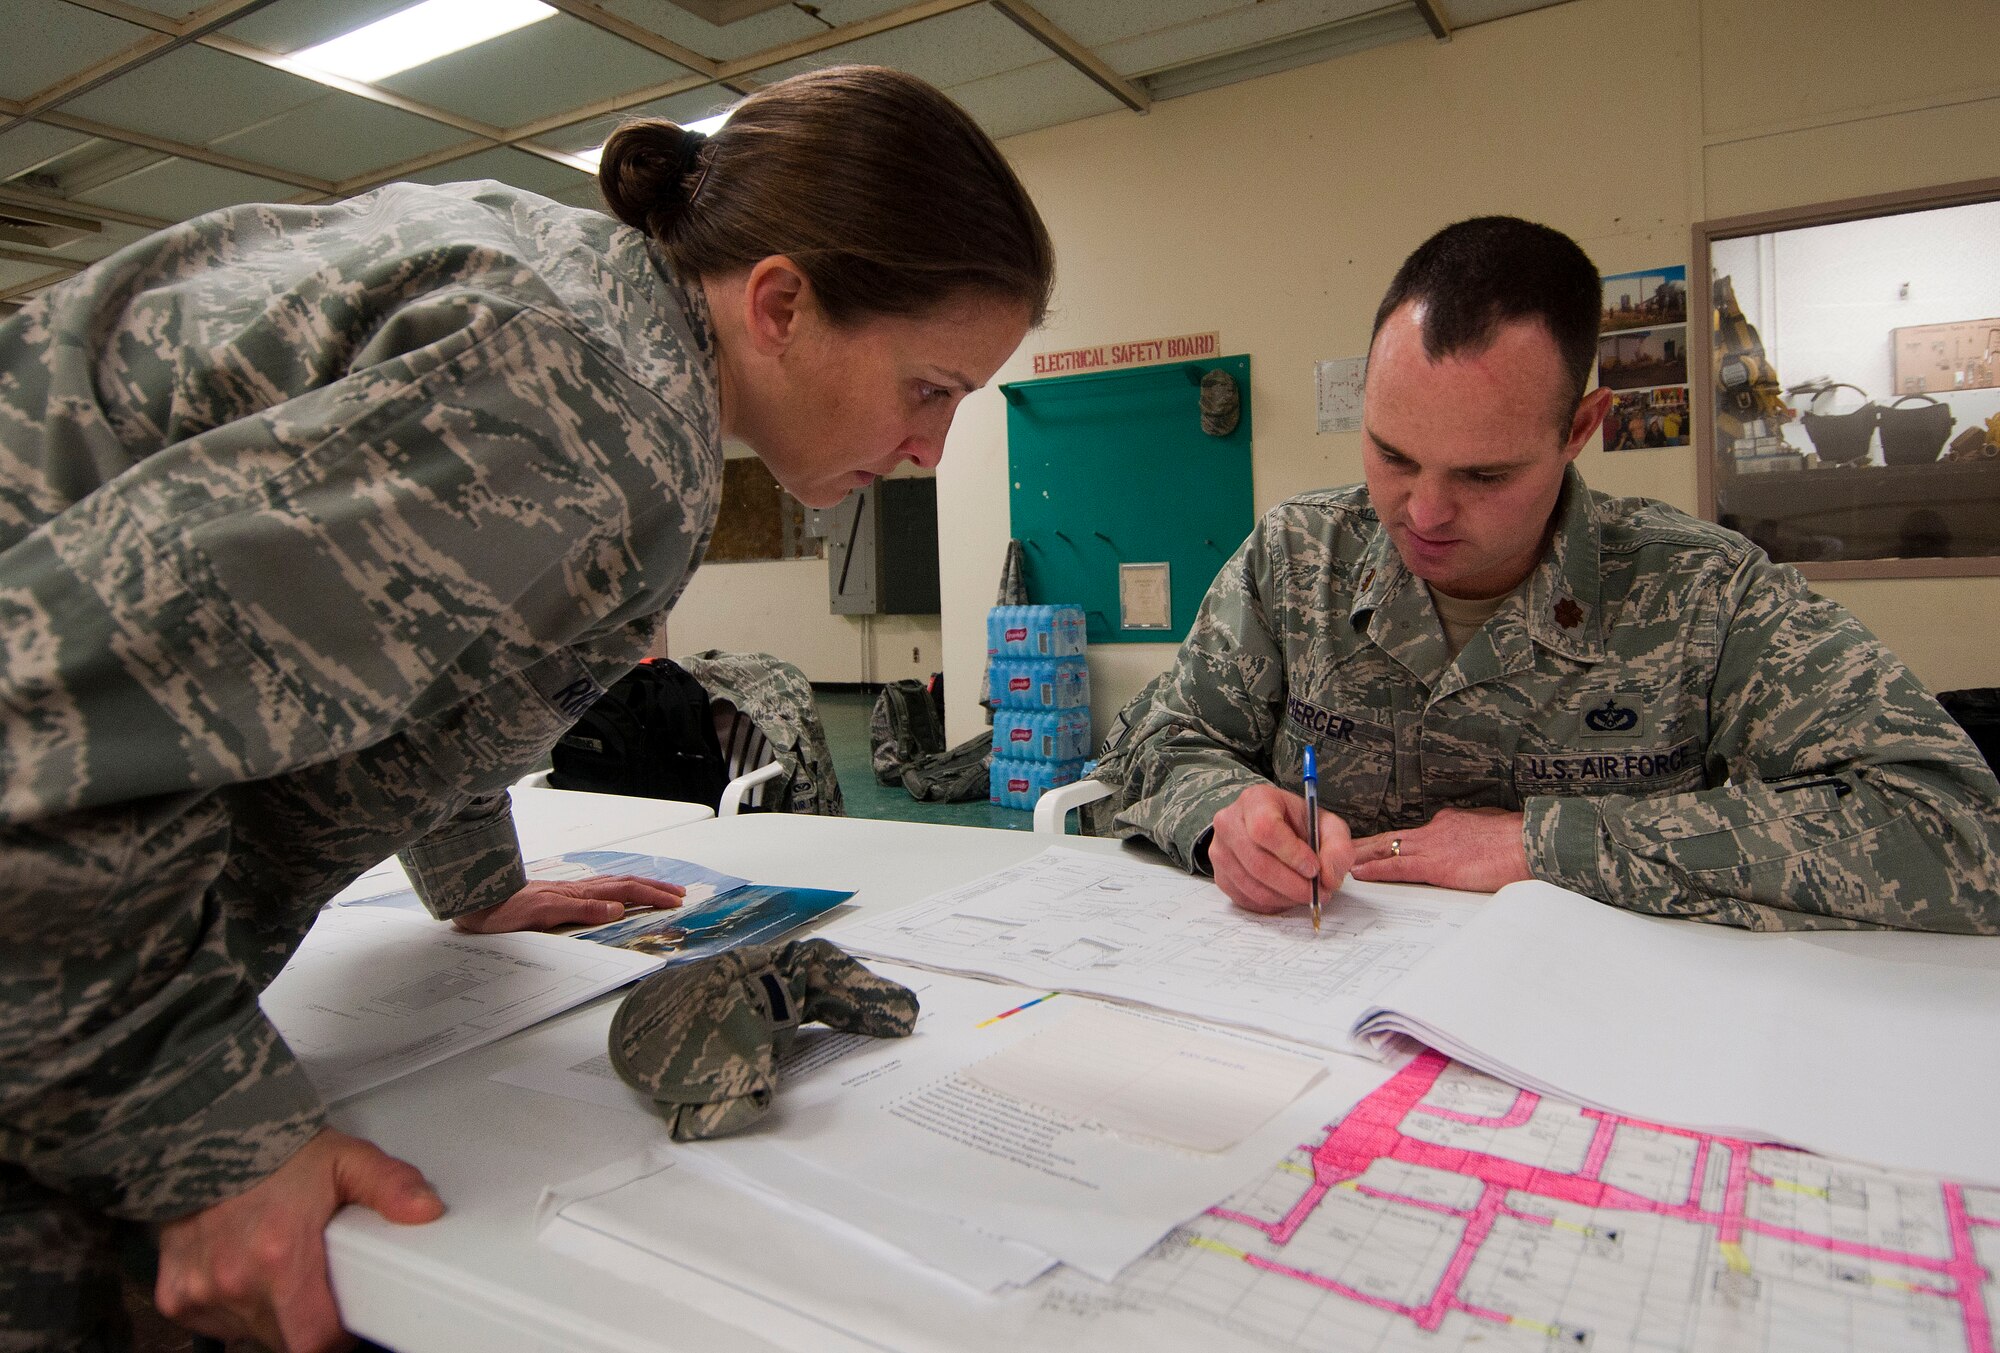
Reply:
x=421, y=33
x=705, y=126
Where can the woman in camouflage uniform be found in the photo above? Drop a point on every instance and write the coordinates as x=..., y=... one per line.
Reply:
x=318, y=525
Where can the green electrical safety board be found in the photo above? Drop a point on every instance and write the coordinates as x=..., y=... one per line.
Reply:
x=1110, y=476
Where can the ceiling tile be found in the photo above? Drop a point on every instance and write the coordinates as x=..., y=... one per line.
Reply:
x=682, y=108
x=161, y=97
x=1093, y=23
x=1232, y=30
x=337, y=137
x=1032, y=97
x=30, y=144
x=508, y=166
x=46, y=43
x=173, y=9
x=842, y=12
x=758, y=33
x=583, y=136
x=96, y=161
x=966, y=44
x=292, y=25
x=90, y=248
x=14, y=274
x=692, y=106
x=177, y=189
x=532, y=72
x=103, y=244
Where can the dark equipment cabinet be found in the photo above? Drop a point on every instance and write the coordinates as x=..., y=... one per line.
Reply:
x=882, y=550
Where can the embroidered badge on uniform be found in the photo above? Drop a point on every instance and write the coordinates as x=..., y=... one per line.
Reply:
x=1568, y=614
x=1617, y=718
x=1611, y=717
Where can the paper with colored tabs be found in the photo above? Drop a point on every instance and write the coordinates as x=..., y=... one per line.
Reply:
x=1154, y=1076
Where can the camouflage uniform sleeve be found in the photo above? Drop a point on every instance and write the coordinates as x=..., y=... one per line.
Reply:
x=1849, y=798
x=470, y=863
x=1207, y=736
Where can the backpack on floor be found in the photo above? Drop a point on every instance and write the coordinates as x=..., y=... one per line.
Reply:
x=956, y=776
x=651, y=735
x=904, y=726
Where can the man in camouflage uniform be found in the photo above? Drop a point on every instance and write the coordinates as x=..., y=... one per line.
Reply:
x=318, y=526
x=1507, y=676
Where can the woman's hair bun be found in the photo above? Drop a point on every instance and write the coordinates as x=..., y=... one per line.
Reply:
x=881, y=190
x=646, y=171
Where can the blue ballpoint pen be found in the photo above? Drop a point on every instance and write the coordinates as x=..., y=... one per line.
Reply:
x=1312, y=826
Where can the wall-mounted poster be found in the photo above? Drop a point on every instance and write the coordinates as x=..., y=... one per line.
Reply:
x=1642, y=354
x=1340, y=380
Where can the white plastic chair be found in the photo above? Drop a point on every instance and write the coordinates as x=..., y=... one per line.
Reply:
x=733, y=793
x=1052, y=809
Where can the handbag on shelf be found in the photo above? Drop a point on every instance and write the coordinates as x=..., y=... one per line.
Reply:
x=1970, y=445
x=1842, y=438
x=1914, y=436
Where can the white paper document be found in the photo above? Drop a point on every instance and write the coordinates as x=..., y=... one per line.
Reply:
x=896, y=1136
x=1143, y=1076
x=808, y=1282
x=1447, y=1211
x=569, y=1059
x=1131, y=930
x=374, y=993
x=1878, y=1047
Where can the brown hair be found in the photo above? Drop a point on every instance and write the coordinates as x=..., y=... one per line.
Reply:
x=886, y=194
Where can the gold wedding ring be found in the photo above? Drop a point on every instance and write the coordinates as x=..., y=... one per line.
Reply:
x=1395, y=846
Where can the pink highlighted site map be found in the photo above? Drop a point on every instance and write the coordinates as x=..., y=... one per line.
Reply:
x=1451, y=1211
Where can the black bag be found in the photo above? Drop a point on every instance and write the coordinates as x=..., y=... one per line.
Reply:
x=956, y=776
x=1978, y=713
x=1842, y=438
x=650, y=735
x=1914, y=436
x=905, y=726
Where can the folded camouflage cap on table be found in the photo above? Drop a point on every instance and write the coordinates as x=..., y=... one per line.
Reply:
x=703, y=1039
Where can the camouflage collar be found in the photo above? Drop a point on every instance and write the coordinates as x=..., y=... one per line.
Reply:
x=693, y=302
x=1562, y=594
x=1376, y=574
x=683, y=307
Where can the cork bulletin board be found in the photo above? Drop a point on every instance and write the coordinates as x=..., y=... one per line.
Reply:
x=1932, y=358
x=759, y=520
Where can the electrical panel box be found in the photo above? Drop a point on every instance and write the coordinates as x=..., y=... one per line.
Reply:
x=882, y=550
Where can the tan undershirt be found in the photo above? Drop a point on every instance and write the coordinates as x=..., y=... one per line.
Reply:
x=1462, y=618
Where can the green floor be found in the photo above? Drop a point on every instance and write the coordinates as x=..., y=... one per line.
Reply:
x=845, y=714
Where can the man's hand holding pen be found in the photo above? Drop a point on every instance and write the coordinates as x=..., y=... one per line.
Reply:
x=1262, y=855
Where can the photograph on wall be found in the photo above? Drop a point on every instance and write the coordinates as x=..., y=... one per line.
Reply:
x=1644, y=300
x=1640, y=420
x=1639, y=359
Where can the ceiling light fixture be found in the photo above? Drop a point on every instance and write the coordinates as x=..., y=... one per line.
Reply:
x=412, y=36
x=706, y=126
